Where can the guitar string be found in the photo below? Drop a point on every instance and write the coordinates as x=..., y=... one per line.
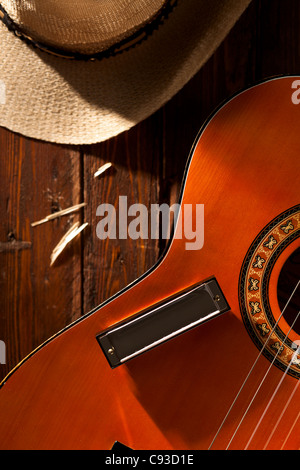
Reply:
x=281, y=415
x=254, y=364
x=260, y=385
x=251, y=370
x=276, y=389
x=290, y=431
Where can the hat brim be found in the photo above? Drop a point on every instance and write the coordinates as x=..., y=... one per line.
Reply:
x=77, y=102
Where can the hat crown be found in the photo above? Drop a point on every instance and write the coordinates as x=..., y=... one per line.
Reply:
x=82, y=26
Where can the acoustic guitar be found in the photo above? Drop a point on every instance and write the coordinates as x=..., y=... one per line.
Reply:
x=202, y=351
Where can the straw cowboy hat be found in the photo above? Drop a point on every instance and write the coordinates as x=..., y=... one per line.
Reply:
x=82, y=71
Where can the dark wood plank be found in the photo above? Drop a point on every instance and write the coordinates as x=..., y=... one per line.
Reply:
x=278, y=36
x=37, y=299
x=111, y=264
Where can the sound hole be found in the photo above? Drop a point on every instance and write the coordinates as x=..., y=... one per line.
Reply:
x=288, y=280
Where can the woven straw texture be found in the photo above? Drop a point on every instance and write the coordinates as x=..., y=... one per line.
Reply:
x=78, y=102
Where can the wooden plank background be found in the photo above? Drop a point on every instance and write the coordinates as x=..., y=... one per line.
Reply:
x=38, y=178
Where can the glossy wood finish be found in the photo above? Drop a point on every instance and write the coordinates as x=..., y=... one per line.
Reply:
x=175, y=396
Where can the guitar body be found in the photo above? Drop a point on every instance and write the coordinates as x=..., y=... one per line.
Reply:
x=245, y=169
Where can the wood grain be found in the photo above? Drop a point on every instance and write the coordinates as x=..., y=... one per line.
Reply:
x=111, y=264
x=37, y=300
x=37, y=178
